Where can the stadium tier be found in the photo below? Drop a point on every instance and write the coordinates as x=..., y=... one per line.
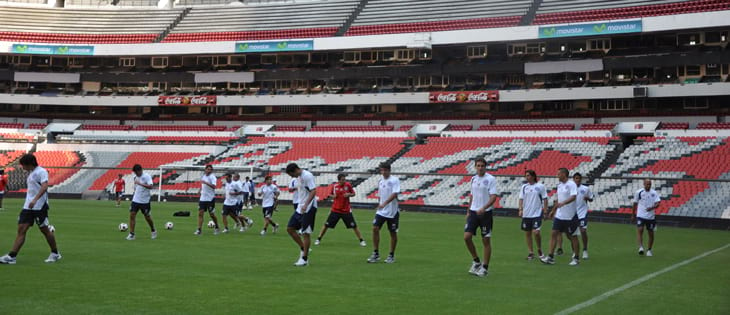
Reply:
x=560, y=11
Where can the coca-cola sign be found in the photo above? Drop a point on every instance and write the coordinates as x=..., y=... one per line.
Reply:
x=464, y=97
x=187, y=100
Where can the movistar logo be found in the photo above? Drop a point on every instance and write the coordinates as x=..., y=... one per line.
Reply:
x=599, y=28
x=549, y=31
x=282, y=45
x=62, y=50
x=243, y=46
x=21, y=48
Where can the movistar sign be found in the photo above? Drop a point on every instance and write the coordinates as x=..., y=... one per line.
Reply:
x=52, y=49
x=591, y=29
x=297, y=45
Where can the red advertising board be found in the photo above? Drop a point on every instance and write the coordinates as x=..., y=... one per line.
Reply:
x=464, y=97
x=187, y=100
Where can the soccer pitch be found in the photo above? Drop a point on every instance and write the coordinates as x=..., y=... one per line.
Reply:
x=180, y=273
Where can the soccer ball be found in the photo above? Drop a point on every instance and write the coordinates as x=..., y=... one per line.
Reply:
x=123, y=227
x=168, y=225
x=211, y=224
x=52, y=228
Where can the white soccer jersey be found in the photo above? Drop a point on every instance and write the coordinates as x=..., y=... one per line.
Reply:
x=481, y=189
x=268, y=192
x=232, y=187
x=644, y=200
x=35, y=180
x=305, y=184
x=387, y=187
x=581, y=204
x=295, y=194
x=239, y=198
x=142, y=194
x=565, y=191
x=207, y=193
x=532, y=197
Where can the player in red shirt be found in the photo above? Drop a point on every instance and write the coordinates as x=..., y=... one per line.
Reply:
x=3, y=186
x=340, y=194
x=119, y=189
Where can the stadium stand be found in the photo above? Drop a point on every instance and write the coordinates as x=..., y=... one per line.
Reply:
x=526, y=127
x=56, y=159
x=673, y=125
x=606, y=126
x=713, y=126
x=352, y=128
x=460, y=127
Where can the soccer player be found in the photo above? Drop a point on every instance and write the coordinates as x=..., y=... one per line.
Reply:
x=35, y=210
x=230, y=203
x=566, y=219
x=293, y=189
x=269, y=194
x=243, y=222
x=387, y=211
x=645, y=202
x=207, y=199
x=533, y=206
x=304, y=216
x=340, y=194
x=246, y=193
x=251, y=194
x=141, y=201
x=119, y=189
x=479, y=215
x=3, y=186
x=584, y=196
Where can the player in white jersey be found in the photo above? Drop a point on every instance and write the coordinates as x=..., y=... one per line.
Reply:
x=302, y=221
x=35, y=210
x=230, y=203
x=141, y=201
x=293, y=189
x=207, y=199
x=533, y=206
x=387, y=212
x=479, y=215
x=585, y=195
x=269, y=194
x=566, y=218
x=243, y=222
x=645, y=202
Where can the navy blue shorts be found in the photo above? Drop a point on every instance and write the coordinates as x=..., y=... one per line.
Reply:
x=393, y=222
x=529, y=224
x=230, y=210
x=39, y=217
x=245, y=196
x=208, y=206
x=335, y=217
x=569, y=227
x=303, y=222
x=649, y=224
x=484, y=222
x=119, y=194
x=268, y=212
x=252, y=197
x=583, y=223
x=144, y=207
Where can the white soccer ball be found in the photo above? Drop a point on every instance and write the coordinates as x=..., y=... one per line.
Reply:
x=52, y=228
x=211, y=224
x=168, y=225
x=123, y=227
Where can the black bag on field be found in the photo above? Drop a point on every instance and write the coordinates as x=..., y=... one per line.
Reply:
x=181, y=214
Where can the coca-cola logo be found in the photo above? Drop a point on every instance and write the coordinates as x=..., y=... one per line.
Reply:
x=464, y=97
x=187, y=100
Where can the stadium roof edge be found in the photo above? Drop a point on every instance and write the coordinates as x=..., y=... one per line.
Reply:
x=519, y=33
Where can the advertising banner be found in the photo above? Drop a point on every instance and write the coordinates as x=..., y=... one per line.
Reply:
x=187, y=100
x=464, y=97
x=590, y=29
x=257, y=47
x=52, y=50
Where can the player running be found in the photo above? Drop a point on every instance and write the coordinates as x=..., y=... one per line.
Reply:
x=35, y=210
x=141, y=201
x=243, y=221
x=340, y=194
x=584, y=196
x=269, y=194
x=303, y=218
x=479, y=215
x=230, y=203
x=533, y=206
x=387, y=211
x=646, y=200
x=119, y=189
x=566, y=219
x=207, y=199
x=251, y=193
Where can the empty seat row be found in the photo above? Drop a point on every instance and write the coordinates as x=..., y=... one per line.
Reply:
x=556, y=11
x=521, y=127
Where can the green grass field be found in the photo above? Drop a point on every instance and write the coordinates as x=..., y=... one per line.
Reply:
x=180, y=273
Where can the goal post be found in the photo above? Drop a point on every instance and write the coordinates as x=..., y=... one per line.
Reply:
x=186, y=178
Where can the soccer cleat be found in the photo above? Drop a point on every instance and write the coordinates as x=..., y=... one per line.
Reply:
x=301, y=262
x=574, y=262
x=154, y=235
x=225, y=230
x=373, y=258
x=547, y=260
x=249, y=222
x=53, y=257
x=474, y=267
x=641, y=251
x=198, y=232
x=250, y=208
x=130, y=237
x=6, y=259
x=242, y=229
x=216, y=231
x=276, y=228
x=649, y=253
x=390, y=259
x=363, y=244
x=236, y=225
x=316, y=242
x=560, y=252
x=481, y=271
x=263, y=232
x=585, y=254
x=530, y=256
